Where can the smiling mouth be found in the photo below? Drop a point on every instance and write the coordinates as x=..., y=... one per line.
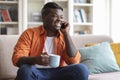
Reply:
x=58, y=24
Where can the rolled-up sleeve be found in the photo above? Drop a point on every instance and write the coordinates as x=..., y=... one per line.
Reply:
x=73, y=60
x=22, y=47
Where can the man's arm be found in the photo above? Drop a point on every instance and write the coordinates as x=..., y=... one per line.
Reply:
x=43, y=59
x=26, y=60
x=71, y=50
x=21, y=51
x=72, y=55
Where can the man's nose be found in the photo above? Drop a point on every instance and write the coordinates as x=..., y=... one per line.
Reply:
x=59, y=18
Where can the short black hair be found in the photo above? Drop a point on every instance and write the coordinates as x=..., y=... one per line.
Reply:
x=50, y=5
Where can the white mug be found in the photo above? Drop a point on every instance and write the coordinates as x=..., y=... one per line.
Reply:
x=54, y=60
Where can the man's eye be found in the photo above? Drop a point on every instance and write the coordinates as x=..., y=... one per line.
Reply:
x=54, y=15
x=61, y=17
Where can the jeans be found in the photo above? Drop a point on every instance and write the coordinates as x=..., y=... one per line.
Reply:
x=71, y=72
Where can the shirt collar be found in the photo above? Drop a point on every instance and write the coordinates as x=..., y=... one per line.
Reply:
x=42, y=30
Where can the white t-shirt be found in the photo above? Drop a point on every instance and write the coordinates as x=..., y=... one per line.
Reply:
x=49, y=48
x=49, y=45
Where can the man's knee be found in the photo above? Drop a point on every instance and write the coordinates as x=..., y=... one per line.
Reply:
x=81, y=68
x=81, y=71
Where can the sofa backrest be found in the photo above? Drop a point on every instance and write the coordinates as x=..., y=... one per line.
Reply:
x=7, y=43
x=82, y=40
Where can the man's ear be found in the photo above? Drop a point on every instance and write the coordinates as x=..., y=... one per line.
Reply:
x=43, y=17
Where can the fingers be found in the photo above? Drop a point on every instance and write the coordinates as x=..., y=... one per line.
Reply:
x=45, y=62
x=65, y=23
x=44, y=53
x=44, y=59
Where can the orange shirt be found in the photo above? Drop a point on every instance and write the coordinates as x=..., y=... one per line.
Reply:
x=31, y=43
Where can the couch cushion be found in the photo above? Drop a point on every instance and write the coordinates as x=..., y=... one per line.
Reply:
x=81, y=40
x=105, y=76
x=99, y=58
x=7, y=42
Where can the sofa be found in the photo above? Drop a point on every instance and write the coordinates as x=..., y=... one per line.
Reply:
x=8, y=71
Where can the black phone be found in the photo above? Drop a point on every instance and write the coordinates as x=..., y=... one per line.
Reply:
x=63, y=26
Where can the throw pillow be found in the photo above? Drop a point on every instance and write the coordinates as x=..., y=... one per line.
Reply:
x=99, y=58
x=116, y=49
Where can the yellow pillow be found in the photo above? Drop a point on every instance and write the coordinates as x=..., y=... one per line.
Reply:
x=116, y=49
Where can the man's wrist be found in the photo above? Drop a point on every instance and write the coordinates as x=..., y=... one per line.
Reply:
x=66, y=33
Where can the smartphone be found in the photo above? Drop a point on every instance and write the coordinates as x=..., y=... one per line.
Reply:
x=63, y=26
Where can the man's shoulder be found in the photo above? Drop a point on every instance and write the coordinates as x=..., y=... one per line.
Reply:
x=33, y=29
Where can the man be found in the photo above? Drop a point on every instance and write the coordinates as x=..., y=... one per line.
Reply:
x=35, y=45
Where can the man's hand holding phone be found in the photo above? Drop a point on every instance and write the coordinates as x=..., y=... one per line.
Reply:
x=65, y=27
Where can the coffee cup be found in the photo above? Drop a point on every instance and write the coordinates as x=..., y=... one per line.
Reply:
x=54, y=60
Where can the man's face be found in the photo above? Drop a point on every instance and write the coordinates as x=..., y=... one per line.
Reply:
x=53, y=19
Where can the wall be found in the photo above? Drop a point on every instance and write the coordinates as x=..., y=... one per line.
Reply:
x=100, y=17
x=115, y=22
x=106, y=18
